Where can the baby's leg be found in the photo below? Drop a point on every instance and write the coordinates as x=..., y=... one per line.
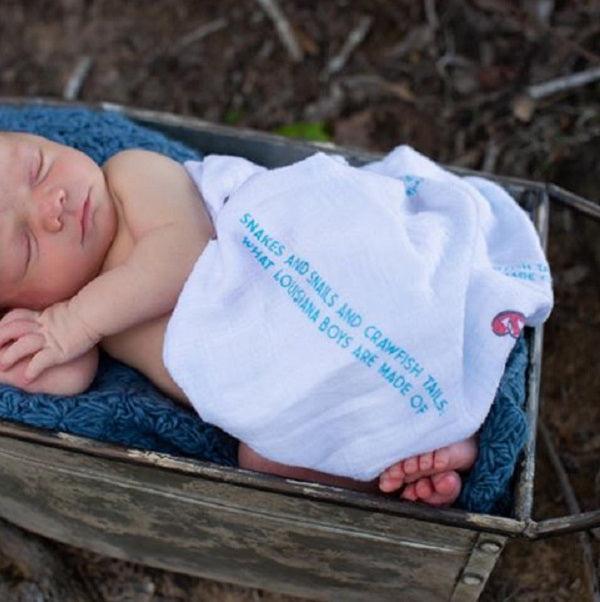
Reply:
x=439, y=487
x=250, y=459
x=458, y=456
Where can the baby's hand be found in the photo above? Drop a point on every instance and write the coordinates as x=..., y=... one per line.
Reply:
x=53, y=336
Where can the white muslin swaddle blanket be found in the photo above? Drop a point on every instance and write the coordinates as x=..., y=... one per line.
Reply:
x=346, y=318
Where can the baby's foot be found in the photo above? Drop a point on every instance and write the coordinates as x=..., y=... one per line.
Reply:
x=440, y=489
x=458, y=456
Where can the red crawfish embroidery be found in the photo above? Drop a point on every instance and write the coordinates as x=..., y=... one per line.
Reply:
x=508, y=322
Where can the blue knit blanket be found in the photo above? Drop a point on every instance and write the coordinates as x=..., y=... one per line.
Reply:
x=123, y=407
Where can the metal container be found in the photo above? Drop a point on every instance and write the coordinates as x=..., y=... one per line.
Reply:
x=260, y=530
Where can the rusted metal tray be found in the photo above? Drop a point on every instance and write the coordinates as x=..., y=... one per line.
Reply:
x=260, y=530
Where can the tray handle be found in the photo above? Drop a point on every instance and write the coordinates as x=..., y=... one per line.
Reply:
x=573, y=201
x=577, y=521
x=572, y=523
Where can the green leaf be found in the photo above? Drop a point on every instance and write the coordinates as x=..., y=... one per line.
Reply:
x=233, y=116
x=315, y=131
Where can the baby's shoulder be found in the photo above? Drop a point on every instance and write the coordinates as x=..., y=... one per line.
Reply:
x=137, y=161
x=152, y=190
x=148, y=179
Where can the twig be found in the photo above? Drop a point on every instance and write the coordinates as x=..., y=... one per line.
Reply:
x=431, y=14
x=561, y=473
x=284, y=29
x=161, y=52
x=542, y=10
x=521, y=16
x=416, y=38
x=575, y=80
x=77, y=77
x=200, y=33
x=367, y=82
x=492, y=151
x=355, y=37
x=582, y=138
x=452, y=60
x=573, y=506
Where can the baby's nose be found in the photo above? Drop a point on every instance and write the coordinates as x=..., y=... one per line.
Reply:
x=52, y=206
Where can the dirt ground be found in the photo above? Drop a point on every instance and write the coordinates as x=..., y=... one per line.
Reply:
x=452, y=79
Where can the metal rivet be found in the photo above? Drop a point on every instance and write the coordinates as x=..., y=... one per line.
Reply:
x=489, y=546
x=472, y=579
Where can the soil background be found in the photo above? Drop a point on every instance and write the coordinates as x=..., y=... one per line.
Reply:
x=450, y=78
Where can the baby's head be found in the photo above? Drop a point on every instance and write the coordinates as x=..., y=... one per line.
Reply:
x=57, y=221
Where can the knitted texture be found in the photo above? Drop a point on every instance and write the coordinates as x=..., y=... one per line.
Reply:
x=123, y=407
x=98, y=134
x=501, y=439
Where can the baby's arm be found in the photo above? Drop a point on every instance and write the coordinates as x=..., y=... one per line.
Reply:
x=162, y=209
x=160, y=206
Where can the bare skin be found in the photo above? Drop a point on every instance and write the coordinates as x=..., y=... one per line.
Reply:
x=109, y=261
x=431, y=477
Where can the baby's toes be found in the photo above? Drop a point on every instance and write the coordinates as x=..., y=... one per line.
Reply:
x=446, y=488
x=410, y=493
x=424, y=488
x=436, y=490
x=396, y=471
x=411, y=465
x=392, y=478
x=441, y=459
x=426, y=462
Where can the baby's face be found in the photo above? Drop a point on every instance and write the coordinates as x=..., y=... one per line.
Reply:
x=57, y=221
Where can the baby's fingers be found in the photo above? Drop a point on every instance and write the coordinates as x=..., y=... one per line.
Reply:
x=16, y=329
x=19, y=314
x=40, y=362
x=24, y=347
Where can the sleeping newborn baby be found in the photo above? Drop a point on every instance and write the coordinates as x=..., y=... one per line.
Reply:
x=348, y=325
